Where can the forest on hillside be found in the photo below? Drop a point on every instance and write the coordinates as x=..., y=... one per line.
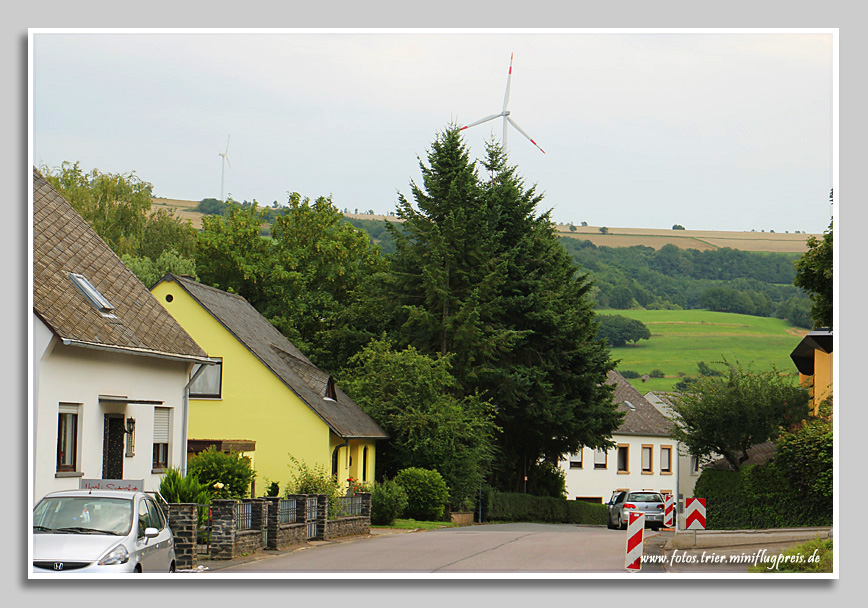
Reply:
x=725, y=280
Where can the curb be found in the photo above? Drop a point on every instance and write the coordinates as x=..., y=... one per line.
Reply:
x=706, y=539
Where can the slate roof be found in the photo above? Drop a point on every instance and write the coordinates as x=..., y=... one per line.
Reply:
x=64, y=243
x=643, y=418
x=284, y=360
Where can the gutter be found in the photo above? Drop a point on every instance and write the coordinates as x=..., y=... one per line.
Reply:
x=139, y=351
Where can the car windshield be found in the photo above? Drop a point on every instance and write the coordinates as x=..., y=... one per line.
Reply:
x=645, y=497
x=83, y=515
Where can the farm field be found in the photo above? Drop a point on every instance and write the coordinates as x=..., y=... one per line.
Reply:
x=682, y=338
x=616, y=237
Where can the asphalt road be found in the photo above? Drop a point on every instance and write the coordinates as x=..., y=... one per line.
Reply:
x=494, y=548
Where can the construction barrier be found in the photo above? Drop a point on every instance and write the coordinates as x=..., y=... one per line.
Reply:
x=695, y=514
x=668, y=510
x=635, y=532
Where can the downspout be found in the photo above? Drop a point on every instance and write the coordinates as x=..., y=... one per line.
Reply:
x=186, y=408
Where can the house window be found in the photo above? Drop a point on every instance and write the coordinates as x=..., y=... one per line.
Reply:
x=209, y=383
x=331, y=394
x=623, y=458
x=694, y=465
x=67, y=438
x=576, y=460
x=666, y=459
x=160, y=459
x=93, y=295
x=600, y=458
x=647, y=459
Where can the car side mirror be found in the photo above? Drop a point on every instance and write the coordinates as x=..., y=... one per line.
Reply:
x=151, y=532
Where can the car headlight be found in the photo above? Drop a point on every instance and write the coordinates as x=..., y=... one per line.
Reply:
x=118, y=555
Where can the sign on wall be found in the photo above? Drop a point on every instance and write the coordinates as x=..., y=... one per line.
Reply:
x=111, y=484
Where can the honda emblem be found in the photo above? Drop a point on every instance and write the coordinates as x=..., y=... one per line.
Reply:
x=58, y=565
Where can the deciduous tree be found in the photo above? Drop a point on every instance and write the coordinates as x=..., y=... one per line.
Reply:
x=814, y=274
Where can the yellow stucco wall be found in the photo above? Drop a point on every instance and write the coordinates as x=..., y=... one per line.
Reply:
x=821, y=382
x=255, y=404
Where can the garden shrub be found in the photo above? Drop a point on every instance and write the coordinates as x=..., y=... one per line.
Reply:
x=508, y=506
x=388, y=502
x=177, y=488
x=315, y=480
x=226, y=475
x=427, y=493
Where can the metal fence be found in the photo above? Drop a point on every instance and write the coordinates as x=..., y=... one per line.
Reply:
x=311, y=507
x=243, y=516
x=287, y=511
x=345, y=506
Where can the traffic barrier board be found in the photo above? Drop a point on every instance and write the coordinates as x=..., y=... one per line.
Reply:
x=695, y=514
x=635, y=531
x=668, y=510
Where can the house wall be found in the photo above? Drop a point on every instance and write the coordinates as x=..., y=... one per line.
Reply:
x=590, y=483
x=254, y=405
x=76, y=375
x=822, y=378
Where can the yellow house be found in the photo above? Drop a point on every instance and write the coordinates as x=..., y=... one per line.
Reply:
x=813, y=359
x=265, y=397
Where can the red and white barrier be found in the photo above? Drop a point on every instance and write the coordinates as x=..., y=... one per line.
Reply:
x=668, y=510
x=694, y=510
x=635, y=531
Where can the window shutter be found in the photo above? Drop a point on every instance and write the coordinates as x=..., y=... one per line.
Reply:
x=68, y=408
x=161, y=425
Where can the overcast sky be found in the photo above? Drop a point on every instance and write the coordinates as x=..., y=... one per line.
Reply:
x=717, y=130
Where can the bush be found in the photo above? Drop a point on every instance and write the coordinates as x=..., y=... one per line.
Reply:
x=657, y=373
x=177, y=488
x=629, y=374
x=225, y=475
x=427, y=493
x=812, y=556
x=507, y=506
x=388, y=502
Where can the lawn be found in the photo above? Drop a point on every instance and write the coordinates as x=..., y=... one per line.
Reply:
x=682, y=338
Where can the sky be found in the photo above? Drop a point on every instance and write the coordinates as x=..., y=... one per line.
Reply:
x=709, y=129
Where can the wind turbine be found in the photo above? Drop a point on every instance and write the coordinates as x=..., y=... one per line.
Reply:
x=225, y=156
x=505, y=113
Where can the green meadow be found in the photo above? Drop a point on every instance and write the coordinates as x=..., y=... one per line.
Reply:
x=682, y=338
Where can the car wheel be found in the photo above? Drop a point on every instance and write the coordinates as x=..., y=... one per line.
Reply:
x=172, y=567
x=655, y=527
x=138, y=568
x=609, y=523
x=623, y=525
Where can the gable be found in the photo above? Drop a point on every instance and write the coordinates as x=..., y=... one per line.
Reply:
x=640, y=416
x=279, y=356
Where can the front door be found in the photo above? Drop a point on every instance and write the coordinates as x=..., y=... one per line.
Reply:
x=113, y=447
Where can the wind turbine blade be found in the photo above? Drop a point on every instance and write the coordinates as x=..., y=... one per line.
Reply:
x=480, y=121
x=508, y=81
x=520, y=130
x=227, y=161
x=227, y=144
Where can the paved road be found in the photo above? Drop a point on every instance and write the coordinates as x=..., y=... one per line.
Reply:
x=526, y=548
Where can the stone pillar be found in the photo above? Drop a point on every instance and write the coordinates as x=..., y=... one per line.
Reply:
x=366, y=504
x=222, y=528
x=322, y=516
x=258, y=518
x=272, y=524
x=183, y=521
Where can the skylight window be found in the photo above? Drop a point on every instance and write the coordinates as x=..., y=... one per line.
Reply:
x=630, y=405
x=98, y=300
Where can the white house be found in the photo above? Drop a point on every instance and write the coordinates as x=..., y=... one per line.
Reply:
x=688, y=466
x=109, y=366
x=644, y=457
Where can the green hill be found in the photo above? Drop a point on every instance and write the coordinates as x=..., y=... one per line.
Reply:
x=680, y=339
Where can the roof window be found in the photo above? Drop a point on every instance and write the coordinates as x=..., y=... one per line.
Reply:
x=98, y=300
x=630, y=405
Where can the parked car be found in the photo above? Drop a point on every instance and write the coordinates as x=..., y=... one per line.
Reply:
x=648, y=502
x=100, y=531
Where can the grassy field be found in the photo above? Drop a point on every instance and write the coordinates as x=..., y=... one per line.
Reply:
x=682, y=338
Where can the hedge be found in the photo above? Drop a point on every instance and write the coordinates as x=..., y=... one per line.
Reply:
x=758, y=497
x=506, y=506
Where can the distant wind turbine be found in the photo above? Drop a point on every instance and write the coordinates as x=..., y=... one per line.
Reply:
x=505, y=113
x=225, y=156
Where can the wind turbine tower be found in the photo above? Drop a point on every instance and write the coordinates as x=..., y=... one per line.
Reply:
x=225, y=156
x=505, y=114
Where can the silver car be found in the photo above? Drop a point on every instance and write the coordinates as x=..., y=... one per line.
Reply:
x=101, y=531
x=648, y=502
